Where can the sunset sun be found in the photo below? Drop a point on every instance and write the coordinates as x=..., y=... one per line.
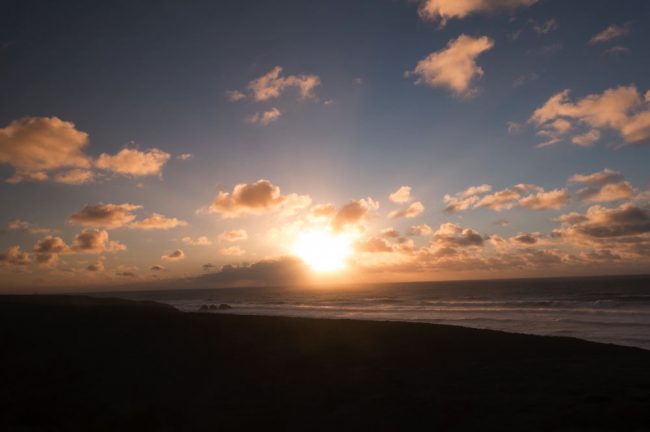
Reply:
x=322, y=250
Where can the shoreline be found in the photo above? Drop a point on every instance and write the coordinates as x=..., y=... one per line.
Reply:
x=422, y=322
x=88, y=363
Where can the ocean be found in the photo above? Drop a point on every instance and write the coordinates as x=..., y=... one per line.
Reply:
x=604, y=309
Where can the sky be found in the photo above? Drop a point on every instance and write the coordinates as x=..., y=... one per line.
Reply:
x=275, y=142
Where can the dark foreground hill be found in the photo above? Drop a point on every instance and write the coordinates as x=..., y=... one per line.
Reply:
x=77, y=363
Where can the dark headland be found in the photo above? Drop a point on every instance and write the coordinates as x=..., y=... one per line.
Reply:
x=80, y=363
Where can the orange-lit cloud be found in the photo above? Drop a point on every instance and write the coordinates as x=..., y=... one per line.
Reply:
x=413, y=210
x=176, y=255
x=105, y=215
x=14, y=256
x=26, y=227
x=75, y=176
x=133, y=162
x=232, y=251
x=233, y=235
x=272, y=84
x=264, y=118
x=401, y=195
x=611, y=32
x=354, y=213
x=157, y=221
x=255, y=199
x=36, y=146
x=200, y=241
x=453, y=67
x=622, y=109
x=444, y=10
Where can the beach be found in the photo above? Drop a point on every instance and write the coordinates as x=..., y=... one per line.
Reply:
x=83, y=363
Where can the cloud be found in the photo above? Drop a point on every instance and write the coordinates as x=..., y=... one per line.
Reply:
x=465, y=199
x=623, y=230
x=185, y=156
x=272, y=84
x=617, y=50
x=200, y=241
x=520, y=81
x=321, y=212
x=504, y=199
x=354, y=213
x=553, y=199
x=157, y=268
x=14, y=256
x=621, y=109
x=612, y=32
x=89, y=241
x=157, y=221
x=401, y=195
x=95, y=241
x=520, y=195
x=607, y=192
x=98, y=266
x=233, y=235
x=452, y=235
x=75, y=176
x=48, y=249
x=105, y=215
x=420, y=230
x=269, y=272
x=526, y=239
x=455, y=66
x=264, y=118
x=176, y=255
x=133, y=162
x=586, y=139
x=232, y=251
x=26, y=227
x=235, y=95
x=373, y=245
x=390, y=233
x=256, y=199
x=603, y=186
x=545, y=28
x=413, y=210
x=600, y=178
x=35, y=146
x=444, y=10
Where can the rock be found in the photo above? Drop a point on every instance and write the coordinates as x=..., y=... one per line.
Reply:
x=213, y=307
x=203, y=308
x=224, y=306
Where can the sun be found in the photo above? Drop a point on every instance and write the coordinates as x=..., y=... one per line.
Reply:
x=323, y=250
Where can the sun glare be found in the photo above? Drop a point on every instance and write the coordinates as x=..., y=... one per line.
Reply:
x=322, y=250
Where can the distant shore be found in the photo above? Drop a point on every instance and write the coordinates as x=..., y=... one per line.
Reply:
x=84, y=363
